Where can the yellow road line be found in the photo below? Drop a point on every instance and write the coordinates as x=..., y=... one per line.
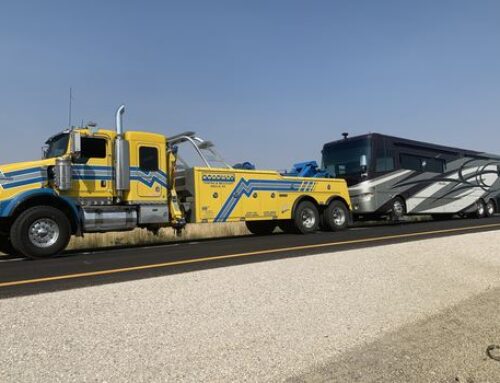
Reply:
x=240, y=255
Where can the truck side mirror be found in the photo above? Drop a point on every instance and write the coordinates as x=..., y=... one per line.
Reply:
x=363, y=163
x=76, y=144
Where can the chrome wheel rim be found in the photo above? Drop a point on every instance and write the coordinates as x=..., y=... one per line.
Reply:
x=480, y=208
x=308, y=218
x=43, y=233
x=397, y=208
x=339, y=216
x=491, y=208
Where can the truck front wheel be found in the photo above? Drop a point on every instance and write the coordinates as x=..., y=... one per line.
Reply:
x=40, y=232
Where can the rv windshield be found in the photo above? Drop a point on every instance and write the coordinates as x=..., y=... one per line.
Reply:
x=57, y=145
x=341, y=159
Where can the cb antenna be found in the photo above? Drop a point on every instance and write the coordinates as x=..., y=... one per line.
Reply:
x=70, y=104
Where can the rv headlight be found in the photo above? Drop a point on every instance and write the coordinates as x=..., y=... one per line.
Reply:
x=366, y=197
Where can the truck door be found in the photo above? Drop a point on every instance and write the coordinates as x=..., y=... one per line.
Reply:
x=92, y=172
x=148, y=174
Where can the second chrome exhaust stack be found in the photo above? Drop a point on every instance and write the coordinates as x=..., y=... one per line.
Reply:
x=119, y=120
x=122, y=156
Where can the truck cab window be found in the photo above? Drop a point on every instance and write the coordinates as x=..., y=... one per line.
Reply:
x=148, y=159
x=57, y=146
x=93, y=147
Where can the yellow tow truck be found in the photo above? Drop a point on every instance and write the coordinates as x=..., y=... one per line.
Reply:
x=94, y=180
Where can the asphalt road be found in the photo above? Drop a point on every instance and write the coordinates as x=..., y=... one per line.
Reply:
x=72, y=270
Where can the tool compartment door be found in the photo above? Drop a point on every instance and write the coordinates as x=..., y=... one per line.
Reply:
x=214, y=197
x=234, y=195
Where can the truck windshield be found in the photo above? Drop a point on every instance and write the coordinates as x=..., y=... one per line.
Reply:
x=341, y=159
x=57, y=145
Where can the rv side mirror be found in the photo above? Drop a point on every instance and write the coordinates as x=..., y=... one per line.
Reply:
x=45, y=151
x=363, y=163
x=76, y=144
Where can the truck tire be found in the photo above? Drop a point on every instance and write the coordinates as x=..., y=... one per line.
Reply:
x=40, y=232
x=261, y=227
x=335, y=217
x=305, y=218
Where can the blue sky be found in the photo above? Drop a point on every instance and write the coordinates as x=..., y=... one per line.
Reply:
x=268, y=81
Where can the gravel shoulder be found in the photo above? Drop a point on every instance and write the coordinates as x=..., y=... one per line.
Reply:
x=449, y=347
x=298, y=318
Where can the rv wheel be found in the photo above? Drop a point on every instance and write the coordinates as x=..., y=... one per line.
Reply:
x=398, y=209
x=491, y=208
x=480, y=209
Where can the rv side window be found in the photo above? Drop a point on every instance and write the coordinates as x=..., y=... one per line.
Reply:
x=384, y=164
x=421, y=164
x=410, y=162
x=93, y=147
x=433, y=165
x=148, y=159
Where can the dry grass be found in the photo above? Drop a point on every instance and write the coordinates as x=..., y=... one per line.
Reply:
x=143, y=237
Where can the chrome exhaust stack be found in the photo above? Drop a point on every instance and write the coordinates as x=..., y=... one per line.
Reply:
x=122, y=157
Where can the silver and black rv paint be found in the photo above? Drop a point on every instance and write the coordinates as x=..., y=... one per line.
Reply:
x=396, y=176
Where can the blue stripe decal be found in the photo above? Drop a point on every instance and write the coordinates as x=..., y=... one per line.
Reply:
x=23, y=172
x=245, y=187
x=137, y=169
x=148, y=182
x=24, y=183
x=81, y=172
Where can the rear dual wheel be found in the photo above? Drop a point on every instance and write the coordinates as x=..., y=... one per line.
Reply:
x=335, y=217
x=480, y=209
x=307, y=219
x=491, y=208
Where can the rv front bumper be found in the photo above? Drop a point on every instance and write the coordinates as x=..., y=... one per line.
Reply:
x=364, y=203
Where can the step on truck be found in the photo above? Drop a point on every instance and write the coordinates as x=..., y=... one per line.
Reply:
x=95, y=181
